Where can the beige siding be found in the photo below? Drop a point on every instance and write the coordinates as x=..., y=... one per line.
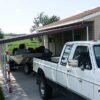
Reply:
x=55, y=46
x=97, y=28
x=52, y=48
x=51, y=44
x=45, y=38
x=59, y=39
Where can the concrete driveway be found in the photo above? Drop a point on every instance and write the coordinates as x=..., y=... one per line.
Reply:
x=28, y=84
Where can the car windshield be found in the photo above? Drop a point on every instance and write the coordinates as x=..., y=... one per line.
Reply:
x=97, y=54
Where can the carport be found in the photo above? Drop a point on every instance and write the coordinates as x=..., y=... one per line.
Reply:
x=49, y=32
x=68, y=34
x=54, y=39
x=3, y=42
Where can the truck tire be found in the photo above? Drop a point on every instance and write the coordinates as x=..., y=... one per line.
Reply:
x=27, y=69
x=44, y=89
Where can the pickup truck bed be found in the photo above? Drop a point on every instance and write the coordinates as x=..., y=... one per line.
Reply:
x=48, y=66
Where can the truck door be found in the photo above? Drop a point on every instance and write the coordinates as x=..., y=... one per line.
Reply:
x=61, y=70
x=80, y=78
x=96, y=49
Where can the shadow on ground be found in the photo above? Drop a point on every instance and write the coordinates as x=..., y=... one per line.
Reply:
x=28, y=84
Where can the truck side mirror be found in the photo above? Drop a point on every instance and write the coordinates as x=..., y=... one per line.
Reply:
x=73, y=63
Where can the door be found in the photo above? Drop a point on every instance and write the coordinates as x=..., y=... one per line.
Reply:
x=80, y=78
x=61, y=70
x=96, y=49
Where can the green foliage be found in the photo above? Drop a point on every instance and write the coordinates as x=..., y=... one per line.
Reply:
x=30, y=43
x=53, y=19
x=42, y=20
x=1, y=95
x=1, y=34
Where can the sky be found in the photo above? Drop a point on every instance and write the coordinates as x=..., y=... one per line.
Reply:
x=16, y=16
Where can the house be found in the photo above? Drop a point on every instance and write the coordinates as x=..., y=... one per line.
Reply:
x=83, y=26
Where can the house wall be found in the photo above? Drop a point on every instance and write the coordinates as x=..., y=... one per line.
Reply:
x=55, y=44
x=45, y=41
x=83, y=32
x=97, y=28
x=51, y=44
x=91, y=32
x=57, y=41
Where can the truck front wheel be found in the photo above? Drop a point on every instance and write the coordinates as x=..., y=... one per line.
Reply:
x=44, y=89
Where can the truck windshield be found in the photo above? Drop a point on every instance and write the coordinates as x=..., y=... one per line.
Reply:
x=97, y=54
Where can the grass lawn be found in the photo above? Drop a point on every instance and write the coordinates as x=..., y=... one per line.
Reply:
x=30, y=43
x=1, y=95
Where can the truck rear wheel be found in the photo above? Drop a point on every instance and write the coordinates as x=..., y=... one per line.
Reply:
x=44, y=89
x=27, y=69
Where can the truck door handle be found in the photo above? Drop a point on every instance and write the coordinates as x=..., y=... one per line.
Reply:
x=80, y=81
x=68, y=70
x=99, y=91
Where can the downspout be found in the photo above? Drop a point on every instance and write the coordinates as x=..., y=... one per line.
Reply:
x=87, y=33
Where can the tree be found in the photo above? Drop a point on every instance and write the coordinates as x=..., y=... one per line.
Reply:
x=42, y=20
x=1, y=34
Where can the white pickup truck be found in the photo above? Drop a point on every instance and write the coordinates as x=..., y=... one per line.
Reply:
x=78, y=70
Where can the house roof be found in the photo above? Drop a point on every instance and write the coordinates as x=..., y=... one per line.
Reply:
x=70, y=20
x=64, y=22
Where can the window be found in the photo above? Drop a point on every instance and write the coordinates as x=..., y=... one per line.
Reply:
x=65, y=55
x=83, y=57
x=97, y=54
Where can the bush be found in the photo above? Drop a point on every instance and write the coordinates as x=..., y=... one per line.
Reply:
x=1, y=95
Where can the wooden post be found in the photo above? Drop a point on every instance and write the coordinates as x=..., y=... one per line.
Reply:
x=46, y=44
x=87, y=33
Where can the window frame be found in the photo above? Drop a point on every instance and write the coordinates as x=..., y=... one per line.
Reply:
x=88, y=52
x=95, y=55
x=64, y=64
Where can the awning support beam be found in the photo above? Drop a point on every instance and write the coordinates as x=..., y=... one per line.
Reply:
x=87, y=33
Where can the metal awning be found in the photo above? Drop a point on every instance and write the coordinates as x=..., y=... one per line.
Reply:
x=47, y=32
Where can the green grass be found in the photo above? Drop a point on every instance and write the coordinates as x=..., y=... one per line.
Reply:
x=29, y=44
x=1, y=95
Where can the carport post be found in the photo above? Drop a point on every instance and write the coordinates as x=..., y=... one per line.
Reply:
x=87, y=33
x=46, y=44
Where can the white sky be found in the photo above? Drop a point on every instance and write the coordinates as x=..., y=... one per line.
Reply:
x=16, y=16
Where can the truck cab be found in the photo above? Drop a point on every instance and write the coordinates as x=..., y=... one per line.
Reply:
x=78, y=68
